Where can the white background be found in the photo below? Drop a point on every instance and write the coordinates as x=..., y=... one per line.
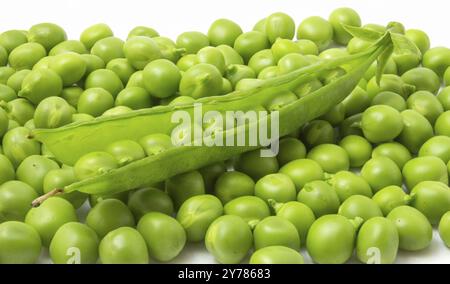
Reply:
x=171, y=17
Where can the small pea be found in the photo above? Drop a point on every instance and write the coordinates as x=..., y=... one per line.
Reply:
x=356, y=102
x=316, y=29
x=359, y=150
x=118, y=110
x=15, y=197
x=201, y=80
x=26, y=55
x=109, y=48
x=230, y=55
x=168, y=48
x=320, y=197
x=5, y=73
x=33, y=169
x=438, y=146
x=381, y=172
x=154, y=144
x=192, y=41
x=419, y=38
x=249, y=208
x=282, y=47
x=390, y=99
x=231, y=185
x=93, y=164
x=249, y=43
x=40, y=84
x=318, y=132
x=53, y=112
x=11, y=39
x=290, y=149
x=279, y=25
x=211, y=55
x=143, y=31
x=7, y=93
x=276, y=255
x=360, y=206
x=181, y=187
x=95, y=33
x=223, y=31
x=75, y=46
x=442, y=125
x=123, y=246
x=59, y=178
x=347, y=184
x=394, y=151
x=93, y=62
x=331, y=158
x=95, y=101
x=291, y=62
x=426, y=104
x=427, y=168
x=161, y=78
x=423, y=79
x=106, y=79
x=432, y=199
x=302, y=171
x=19, y=242
x=342, y=16
x=389, y=82
x=126, y=151
x=276, y=231
x=437, y=59
x=416, y=130
x=262, y=59
x=17, y=146
x=16, y=79
x=122, y=67
x=252, y=164
x=381, y=123
x=335, y=115
x=390, y=197
x=69, y=66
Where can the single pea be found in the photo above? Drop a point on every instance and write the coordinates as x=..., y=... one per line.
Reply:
x=201, y=80
x=252, y=164
x=47, y=34
x=278, y=187
x=394, y=151
x=320, y=197
x=33, y=169
x=211, y=174
x=406, y=62
x=192, y=41
x=237, y=72
x=381, y=172
x=438, y=146
x=122, y=67
x=75, y=46
x=187, y=61
x=381, y=123
x=358, y=149
x=302, y=171
x=442, y=125
x=154, y=144
x=279, y=25
x=230, y=55
x=332, y=158
x=291, y=62
x=118, y=110
x=72, y=95
x=377, y=241
x=389, y=82
x=109, y=48
x=140, y=50
x=196, y=215
x=260, y=26
x=249, y=208
x=419, y=38
x=20, y=110
x=414, y=230
x=168, y=48
x=143, y=31
x=346, y=16
x=17, y=146
x=226, y=86
x=59, y=178
x=7, y=93
x=262, y=59
x=223, y=31
x=356, y=45
x=52, y=112
x=40, y=84
x=444, y=229
x=347, y=184
x=183, y=186
x=331, y=239
x=74, y=243
x=423, y=79
x=126, y=151
x=274, y=231
x=49, y=216
x=360, y=206
x=81, y=117
x=164, y=236
x=93, y=62
x=5, y=73
x=69, y=66
x=161, y=78
x=290, y=149
x=123, y=246
x=282, y=47
x=16, y=79
x=416, y=130
x=106, y=79
x=333, y=53
x=150, y=199
x=26, y=55
x=249, y=43
x=94, y=199
x=42, y=63
x=427, y=168
x=426, y=104
x=11, y=39
x=316, y=29
x=93, y=164
x=432, y=198
x=248, y=84
x=229, y=239
x=19, y=243
x=134, y=98
x=391, y=99
x=276, y=255
x=231, y=185
x=15, y=200
x=356, y=102
x=268, y=72
x=95, y=101
x=317, y=132
x=437, y=59
x=390, y=197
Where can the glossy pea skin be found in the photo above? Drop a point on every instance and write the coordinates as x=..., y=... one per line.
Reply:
x=59, y=178
x=423, y=78
x=291, y=62
x=126, y=151
x=15, y=200
x=108, y=48
x=192, y=41
x=432, y=199
x=122, y=67
x=356, y=45
x=381, y=123
x=75, y=46
x=40, y=84
x=230, y=55
x=181, y=187
x=282, y=47
x=438, y=146
x=249, y=43
x=93, y=62
x=331, y=158
x=229, y=239
x=19, y=243
x=276, y=255
x=93, y=164
x=248, y=84
x=419, y=38
x=69, y=66
x=118, y=110
x=290, y=149
x=123, y=246
x=381, y=234
x=140, y=50
x=304, y=89
x=213, y=56
x=444, y=229
x=273, y=231
x=394, y=151
x=278, y=187
x=106, y=79
x=358, y=149
x=390, y=197
x=426, y=168
x=161, y=78
x=342, y=16
x=426, y=104
x=389, y=82
x=17, y=146
x=279, y=25
x=416, y=130
x=302, y=171
x=360, y=206
x=252, y=164
x=7, y=93
x=299, y=214
x=223, y=31
x=237, y=72
x=414, y=230
x=164, y=236
x=74, y=235
x=331, y=239
x=197, y=213
x=26, y=55
x=231, y=185
x=134, y=98
x=268, y=72
x=406, y=62
x=262, y=59
x=150, y=199
x=49, y=216
x=53, y=112
x=390, y=99
x=442, y=125
x=33, y=169
x=19, y=110
x=317, y=132
x=5, y=73
x=347, y=184
x=249, y=208
x=16, y=79
x=143, y=31
x=381, y=172
x=95, y=33
x=168, y=48
x=316, y=29
x=437, y=59
x=6, y=169
x=11, y=39
x=320, y=197
x=95, y=101
x=201, y=80
x=154, y=144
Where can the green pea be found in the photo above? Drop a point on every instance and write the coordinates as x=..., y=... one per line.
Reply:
x=278, y=187
x=358, y=149
x=444, y=229
x=192, y=41
x=168, y=48
x=252, y=164
x=201, y=80
x=394, y=151
x=381, y=172
x=15, y=200
x=437, y=59
x=332, y=53
x=282, y=47
x=7, y=93
x=53, y=112
x=426, y=104
x=419, y=38
x=381, y=123
x=229, y=239
x=75, y=46
x=183, y=186
x=17, y=146
x=95, y=101
x=427, y=168
x=249, y=43
x=279, y=25
x=377, y=241
x=140, y=50
x=150, y=199
x=390, y=197
x=423, y=79
x=389, y=82
x=93, y=62
x=316, y=29
x=342, y=16
x=260, y=26
x=59, y=178
x=268, y=72
x=391, y=99
x=93, y=164
x=248, y=84
x=44, y=63
x=5, y=73
x=161, y=78
x=249, y=208
x=356, y=102
x=230, y=55
x=11, y=39
x=438, y=146
x=226, y=86
x=276, y=255
x=40, y=84
x=187, y=61
x=302, y=171
x=154, y=144
x=26, y=55
x=231, y=185
x=16, y=79
x=356, y=45
x=442, y=125
x=118, y=110
x=432, y=198
x=335, y=115
x=360, y=206
x=290, y=149
x=134, y=98
x=237, y=72
x=123, y=246
x=19, y=243
x=109, y=48
x=318, y=132
x=414, y=230
x=72, y=95
x=94, y=199
x=126, y=151
x=331, y=239
x=406, y=62
x=223, y=31
x=262, y=59
x=122, y=67
x=143, y=31
x=273, y=231
x=417, y=129
x=347, y=184
x=20, y=110
x=106, y=79
x=69, y=66
x=47, y=34
x=76, y=236
x=196, y=215
x=6, y=169
x=320, y=197
x=211, y=174
x=291, y=62
x=331, y=158
x=33, y=169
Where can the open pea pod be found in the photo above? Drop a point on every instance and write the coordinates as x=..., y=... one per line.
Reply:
x=70, y=142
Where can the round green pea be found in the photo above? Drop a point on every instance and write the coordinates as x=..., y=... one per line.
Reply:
x=109, y=48
x=340, y=17
x=122, y=67
x=16, y=79
x=317, y=132
x=391, y=99
x=278, y=187
x=11, y=39
x=432, y=198
x=5, y=73
x=230, y=55
x=249, y=43
x=426, y=168
x=358, y=149
x=248, y=84
x=290, y=149
x=141, y=50
x=106, y=79
x=426, y=104
x=201, y=80
x=262, y=59
x=126, y=151
x=47, y=34
x=356, y=45
x=143, y=31
x=273, y=231
x=161, y=78
x=26, y=55
x=268, y=72
x=416, y=130
x=223, y=31
x=347, y=184
x=118, y=110
x=389, y=82
x=192, y=41
x=134, y=98
x=150, y=199
x=15, y=200
x=442, y=124
x=69, y=66
x=299, y=214
x=93, y=164
x=444, y=229
x=291, y=62
x=211, y=173
x=282, y=47
x=249, y=208
x=7, y=93
x=59, y=178
x=316, y=29
x=252, y=164
x=390, y=197
x=33, y=169
x=419, y=38
x=360, y=206
x=302, y=171
x=237, y=72
x=320, y=197
x=279, y=25
x=154, y=144
x=423, y=79
x=184, y=186
x=123, y=246
x=17, y=146
x=19, y=110
x=40, y=84
x=307, y=47
x=381, y=172
x=437, y=59
x=438, y=146
x=53, y=112
x=381, y=123
x=394, y=151
x=231, y=185
x=75, y=46
x=332, y=158
x=95, y=101
x=93, y=62
x=276, y=255
x=19, y=243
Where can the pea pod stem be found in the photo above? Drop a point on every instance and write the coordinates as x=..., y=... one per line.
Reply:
x=38, y=201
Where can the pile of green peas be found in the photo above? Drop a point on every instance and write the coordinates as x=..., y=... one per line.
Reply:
x=372, y=173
